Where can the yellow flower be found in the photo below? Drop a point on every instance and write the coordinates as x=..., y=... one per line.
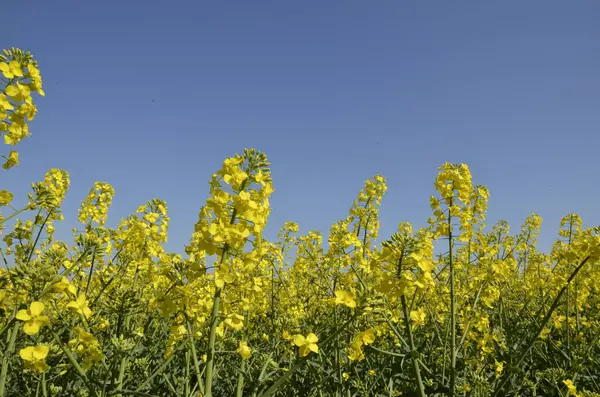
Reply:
x=5, y=197
x=12, y=160
x=235, y=321
x=35, y=357
x=306, y=344
x=4, y=106
x=418, y=317
x=18, y=93
x=64, y=285
x=367, y=337
x=572, y=390
x=33, y=318
x=95, y=206
x=499, y=368
x=87, y=346
x=260, y=177
x=356, y=352
x=36, y=79
x=363, y=338
x=80, y=306
x=11, y=70
x=234, y=176
x=104, y=323
x=244, y=350
x=345, y=298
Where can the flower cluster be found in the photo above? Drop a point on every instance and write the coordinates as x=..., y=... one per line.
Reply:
x=450, y=308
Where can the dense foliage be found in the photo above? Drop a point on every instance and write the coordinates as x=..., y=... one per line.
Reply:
x=114, y=314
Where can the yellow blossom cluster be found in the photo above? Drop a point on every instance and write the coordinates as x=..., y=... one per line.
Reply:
x=452, y=308
x=19, y=78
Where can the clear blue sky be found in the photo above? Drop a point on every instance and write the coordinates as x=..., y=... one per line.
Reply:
x=151, y=96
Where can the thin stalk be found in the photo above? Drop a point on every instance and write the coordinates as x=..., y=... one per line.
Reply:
x=43, y=382
x=87, y=287
x=132, y=393
x=452, y=310
x=7, y=353
x=214, y=316
x=568, y=312
x=239, y=390
x=75, y=365
x=27, y=207
x=540, y=328
x=157, y=371
x=261, y=376
x=170, y=384
x=122, y=366
x=468, y=326
x=210, y=356
x=293, y=368
x=186, y=383
x=240, y=380
x=194, y=355
x=413, y=352
x=336, y=355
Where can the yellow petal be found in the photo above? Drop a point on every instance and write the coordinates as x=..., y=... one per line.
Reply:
x=40, y=352
x=23, y=315
x=312, y=338
x=12, y=91
x=36, y=308
x=304, y=350
x=15, y=68
x=31, y=327
x=81, y=300
x=299, y=340
x=27, y=353
x=368, y=337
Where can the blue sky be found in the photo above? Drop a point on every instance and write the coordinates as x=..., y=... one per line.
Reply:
x=151, y=97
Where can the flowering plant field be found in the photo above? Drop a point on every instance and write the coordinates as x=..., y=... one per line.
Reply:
x=113, y=314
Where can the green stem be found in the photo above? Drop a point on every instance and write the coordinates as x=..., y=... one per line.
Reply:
x=275, y=387
x=27, y=207
x=531, y=342
x=239, y=392
x=186, y=383
x=214, y=317
x=283, y=379
x=413, y=350
x=194, y=355
x=211, y=343
x=158, y=370
x=132, y=393
x=7, y=353
x=75, y=365
x=87, y=287
x=122, y=366
x=452, y=311
x=240, y=380
x=43, y=381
